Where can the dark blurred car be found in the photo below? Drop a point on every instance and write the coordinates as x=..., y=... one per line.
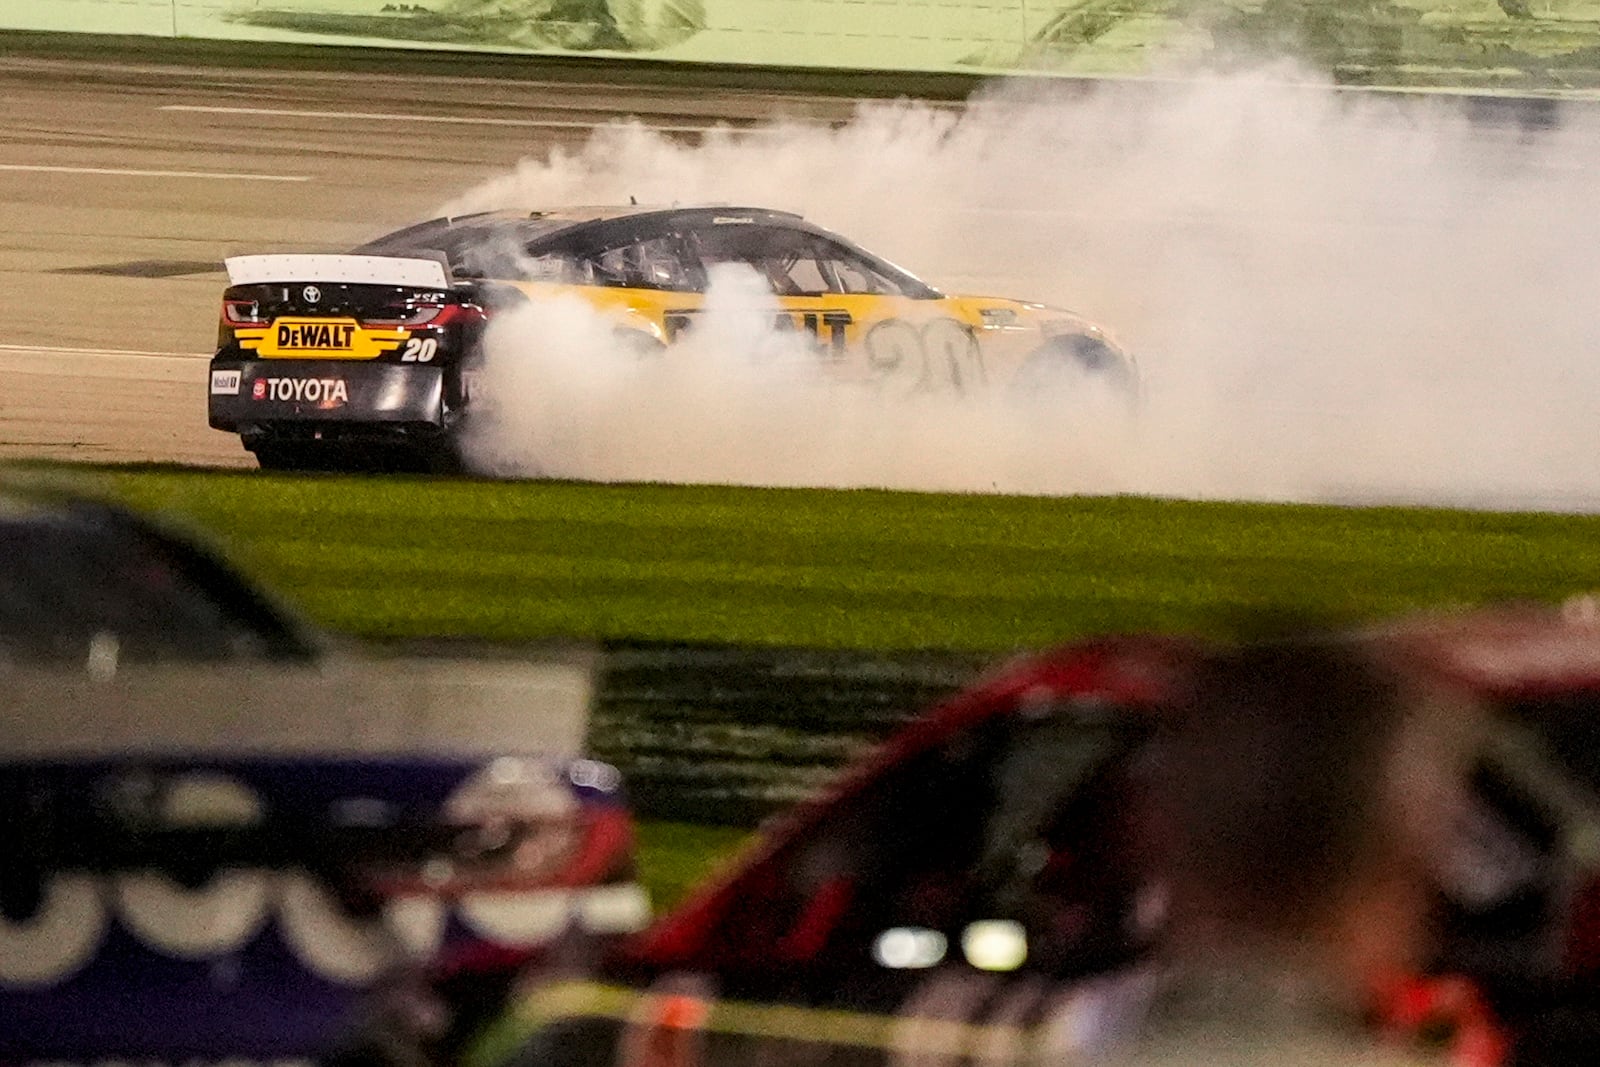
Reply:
x=219, y=837
x=376, y=357
x=944, y=901
x=87, y=582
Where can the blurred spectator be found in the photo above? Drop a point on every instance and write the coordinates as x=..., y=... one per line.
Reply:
x=1293, y=802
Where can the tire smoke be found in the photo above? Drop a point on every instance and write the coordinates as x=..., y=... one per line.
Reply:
x=1332, y=296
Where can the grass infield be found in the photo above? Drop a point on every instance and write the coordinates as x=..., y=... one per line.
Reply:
x=398, y=557
x=675, y=857
x=413, y=557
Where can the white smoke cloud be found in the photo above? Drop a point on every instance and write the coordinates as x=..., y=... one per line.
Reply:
x=738, y=401
x=1331, y=297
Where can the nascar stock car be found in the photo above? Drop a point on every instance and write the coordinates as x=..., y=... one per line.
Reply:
x=944, y=901
x=371, y=357
x=222, y=833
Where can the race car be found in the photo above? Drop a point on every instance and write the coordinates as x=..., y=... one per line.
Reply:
x=223, y=831
x=370, y=358
x=944, y=901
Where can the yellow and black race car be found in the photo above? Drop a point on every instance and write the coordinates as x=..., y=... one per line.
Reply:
x=343, y=360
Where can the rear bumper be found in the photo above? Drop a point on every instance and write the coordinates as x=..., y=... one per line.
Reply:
x=265, y=398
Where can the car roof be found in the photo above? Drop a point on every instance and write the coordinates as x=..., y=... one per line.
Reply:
x=568, y=221
x=686, y=212
x=589, y=230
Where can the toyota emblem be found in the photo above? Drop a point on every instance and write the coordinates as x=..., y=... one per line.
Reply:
x=312, y=294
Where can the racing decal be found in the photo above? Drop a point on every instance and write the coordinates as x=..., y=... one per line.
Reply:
x=827, y=327
x=324, y=392
x=327, y=939
x=219, y=917
x=615, y=909
x=224, y=383
x=221, y=914
x=521, y=919
x=420, y=350
x=235, y=906
x=418, y=923
x=308, y=338
x=939, y=356
x=58, y=939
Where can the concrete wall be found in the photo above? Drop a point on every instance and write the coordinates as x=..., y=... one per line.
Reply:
x=1552, y=47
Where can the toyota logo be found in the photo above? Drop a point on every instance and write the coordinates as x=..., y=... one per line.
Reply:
x=311, y=293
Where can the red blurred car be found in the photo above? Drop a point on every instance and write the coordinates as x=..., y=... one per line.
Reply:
x=942, y=902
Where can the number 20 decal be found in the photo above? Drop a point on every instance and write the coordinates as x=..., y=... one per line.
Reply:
x=419, y=350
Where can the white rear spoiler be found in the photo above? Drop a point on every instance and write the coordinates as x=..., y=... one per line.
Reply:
x=367, y=270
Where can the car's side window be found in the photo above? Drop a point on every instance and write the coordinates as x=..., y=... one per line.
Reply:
x=803, y=273
x=998, y=833
x=789, y=261
x=853, y=274
x=653, y=263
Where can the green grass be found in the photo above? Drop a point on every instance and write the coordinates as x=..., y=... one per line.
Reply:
x=674, y=857
x=413, y=557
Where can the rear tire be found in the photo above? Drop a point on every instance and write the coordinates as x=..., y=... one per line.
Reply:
x=281, y=457
x=293, y=456
x=443, y=458
x=440, y=458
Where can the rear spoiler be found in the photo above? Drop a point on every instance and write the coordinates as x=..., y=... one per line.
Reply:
x=353, y=269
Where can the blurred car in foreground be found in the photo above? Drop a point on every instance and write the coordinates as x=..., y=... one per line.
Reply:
x=945, y=899
x=371, y=357
x=220, y=837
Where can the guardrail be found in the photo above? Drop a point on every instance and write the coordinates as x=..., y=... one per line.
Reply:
x=1429, y=43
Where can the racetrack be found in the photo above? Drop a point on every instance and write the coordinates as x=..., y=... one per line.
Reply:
x=122, y=188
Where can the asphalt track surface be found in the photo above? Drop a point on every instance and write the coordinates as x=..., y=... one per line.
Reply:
x=123, y=187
